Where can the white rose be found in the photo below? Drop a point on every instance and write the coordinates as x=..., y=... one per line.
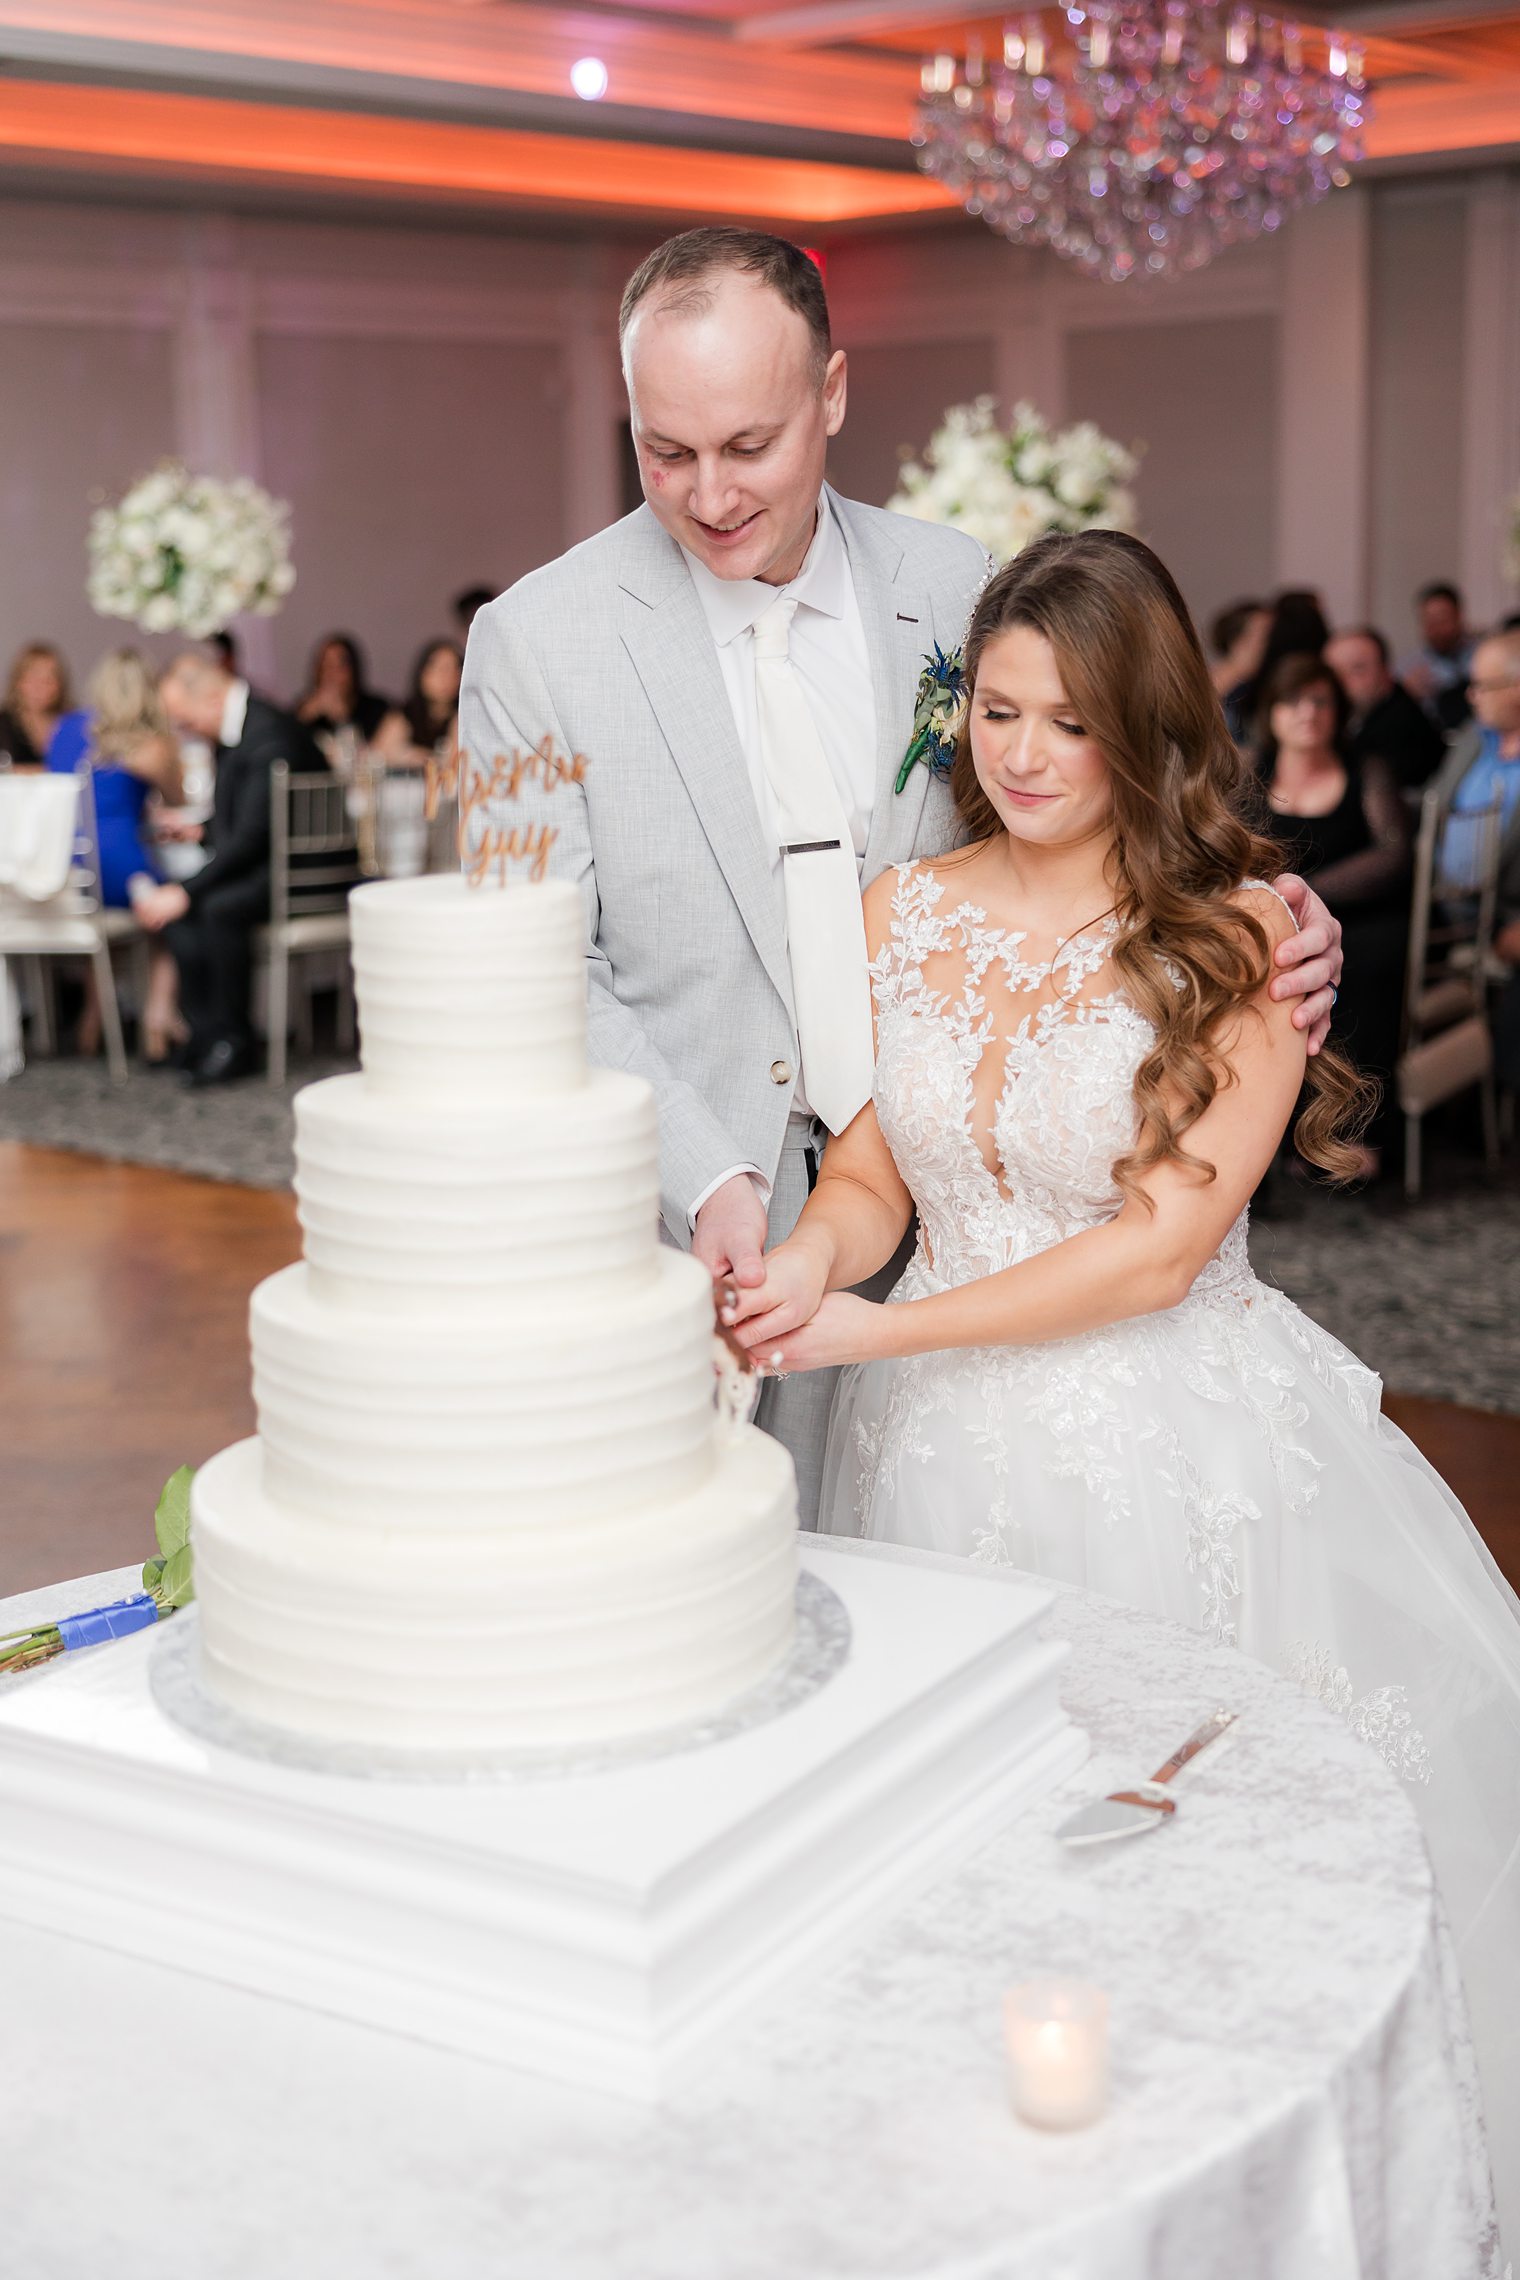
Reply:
x=160, y=613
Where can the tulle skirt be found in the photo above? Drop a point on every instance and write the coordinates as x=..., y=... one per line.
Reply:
x=1226, y=1464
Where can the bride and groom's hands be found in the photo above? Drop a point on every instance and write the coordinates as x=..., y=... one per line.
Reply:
x=784, y=1314
x=791, y=1320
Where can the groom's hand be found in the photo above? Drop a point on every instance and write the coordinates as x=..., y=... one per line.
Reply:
x=1309, y=961
x=729, y=1237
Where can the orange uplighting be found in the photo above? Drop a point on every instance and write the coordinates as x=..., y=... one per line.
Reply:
x=195, y=132
x=1419, y=121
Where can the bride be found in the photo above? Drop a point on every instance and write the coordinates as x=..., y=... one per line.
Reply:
x=1080, y=1079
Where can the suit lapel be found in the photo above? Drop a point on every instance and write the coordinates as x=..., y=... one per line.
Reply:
x=672, y=651
x=899, y=632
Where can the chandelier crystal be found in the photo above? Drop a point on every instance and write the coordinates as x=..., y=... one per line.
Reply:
x=1137, y=140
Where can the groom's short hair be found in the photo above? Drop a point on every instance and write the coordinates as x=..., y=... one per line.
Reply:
x=682, y=270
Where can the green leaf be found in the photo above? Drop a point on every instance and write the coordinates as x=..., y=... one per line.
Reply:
x=176, y=1586
x=152, y=1574
x=171, y=1522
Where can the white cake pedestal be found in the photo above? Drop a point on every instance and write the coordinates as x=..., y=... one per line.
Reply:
x=600, y=1929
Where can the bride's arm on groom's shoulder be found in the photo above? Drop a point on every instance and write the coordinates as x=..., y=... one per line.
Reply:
x=855, y=1217
x=1141, y=1262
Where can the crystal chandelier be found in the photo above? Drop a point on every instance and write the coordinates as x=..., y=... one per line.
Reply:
x=1139, y=139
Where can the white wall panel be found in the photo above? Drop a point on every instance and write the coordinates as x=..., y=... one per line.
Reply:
x=1415, y=396
x=1201, y=397
x=416, y=467
x=83, y=408
x=897, y=395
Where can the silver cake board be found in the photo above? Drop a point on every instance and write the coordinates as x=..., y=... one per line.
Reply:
x=599, y=1929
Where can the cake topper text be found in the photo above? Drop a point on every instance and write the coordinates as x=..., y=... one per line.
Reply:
x=485, y=844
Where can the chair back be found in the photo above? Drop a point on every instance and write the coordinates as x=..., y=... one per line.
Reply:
x=394, y=834
x=84, y=880
x=314, y=859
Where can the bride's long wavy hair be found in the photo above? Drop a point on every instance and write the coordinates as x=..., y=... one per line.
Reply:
x=1188, y=957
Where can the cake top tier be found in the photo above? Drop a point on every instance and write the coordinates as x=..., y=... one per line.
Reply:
x=470, y=993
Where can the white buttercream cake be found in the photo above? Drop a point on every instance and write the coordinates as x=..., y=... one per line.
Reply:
x=490, y=1504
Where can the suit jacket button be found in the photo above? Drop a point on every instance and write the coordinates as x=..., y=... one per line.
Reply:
x=782, y=1073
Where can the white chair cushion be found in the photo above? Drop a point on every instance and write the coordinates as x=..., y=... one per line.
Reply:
x=1443, y=1066
x=326, y=930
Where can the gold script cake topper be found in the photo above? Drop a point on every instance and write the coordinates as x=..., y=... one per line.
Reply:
x=485, y=844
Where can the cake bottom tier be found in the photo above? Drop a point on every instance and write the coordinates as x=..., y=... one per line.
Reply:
x=424, y=1638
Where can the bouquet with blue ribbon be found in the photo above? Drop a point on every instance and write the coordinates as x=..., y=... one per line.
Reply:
x=167, y=1584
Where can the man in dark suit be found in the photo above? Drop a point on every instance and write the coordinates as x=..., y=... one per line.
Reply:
x=209, y=920
x=1386, y=722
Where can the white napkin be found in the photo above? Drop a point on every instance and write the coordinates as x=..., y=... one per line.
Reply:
x=38, y=815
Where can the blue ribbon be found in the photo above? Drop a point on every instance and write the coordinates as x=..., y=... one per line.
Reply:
x=117, y=1621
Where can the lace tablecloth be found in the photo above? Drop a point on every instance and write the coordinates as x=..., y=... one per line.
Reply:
x=1293, y=2094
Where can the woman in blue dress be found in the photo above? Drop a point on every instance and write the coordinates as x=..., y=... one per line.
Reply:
x=124, y=740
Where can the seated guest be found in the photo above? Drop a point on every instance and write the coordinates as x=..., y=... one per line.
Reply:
x=427, y=724
x=339, y=706
x=1436, y=675
x=1348, y=831
x=466, y=605
x=1386, y=722
x=1298, y=628
x=123, y=738
x=1483, y=765
x=36, y=698
x=208, y=921
x=1238, y=638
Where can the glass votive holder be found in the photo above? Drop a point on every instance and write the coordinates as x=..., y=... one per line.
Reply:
x=1057, y=2032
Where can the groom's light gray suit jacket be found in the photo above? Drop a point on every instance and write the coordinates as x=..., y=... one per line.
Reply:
x=607, y=652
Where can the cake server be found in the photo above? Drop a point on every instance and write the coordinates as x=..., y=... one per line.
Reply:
x=1130, y=1812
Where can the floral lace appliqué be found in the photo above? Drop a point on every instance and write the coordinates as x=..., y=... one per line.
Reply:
x=950, y=990
x=1381, y=1718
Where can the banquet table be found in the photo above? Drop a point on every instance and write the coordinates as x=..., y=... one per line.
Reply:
x=1293, y=2094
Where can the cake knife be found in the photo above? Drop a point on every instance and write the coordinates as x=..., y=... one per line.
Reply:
x=1130, y=1812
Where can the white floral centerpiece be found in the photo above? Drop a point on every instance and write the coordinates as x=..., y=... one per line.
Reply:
x=1006, y=486
x=189, y=553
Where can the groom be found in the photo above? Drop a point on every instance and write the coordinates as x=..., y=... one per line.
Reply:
x=738, y=662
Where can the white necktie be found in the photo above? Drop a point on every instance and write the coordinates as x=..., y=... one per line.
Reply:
x=825, y=927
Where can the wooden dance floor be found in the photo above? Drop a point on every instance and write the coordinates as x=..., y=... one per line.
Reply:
x=123, y=1353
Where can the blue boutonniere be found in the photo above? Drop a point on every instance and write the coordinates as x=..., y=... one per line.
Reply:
x=938, y=711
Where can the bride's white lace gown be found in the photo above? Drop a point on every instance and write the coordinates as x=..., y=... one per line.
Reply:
x=1223, y=1463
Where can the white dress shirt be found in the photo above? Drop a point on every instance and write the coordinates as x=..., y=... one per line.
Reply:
x=234, y=715
x=832, y=666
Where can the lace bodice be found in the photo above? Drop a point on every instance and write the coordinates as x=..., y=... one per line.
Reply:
x=1005, y=1085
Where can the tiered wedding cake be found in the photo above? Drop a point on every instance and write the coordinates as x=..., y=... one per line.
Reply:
x=490, y=1505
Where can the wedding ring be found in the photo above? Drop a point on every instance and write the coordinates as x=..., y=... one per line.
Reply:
x=778, y=1356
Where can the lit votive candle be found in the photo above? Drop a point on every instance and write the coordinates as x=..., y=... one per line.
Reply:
x=1057, y=2033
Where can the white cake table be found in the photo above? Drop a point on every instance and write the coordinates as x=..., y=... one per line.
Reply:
x=1293, y=2093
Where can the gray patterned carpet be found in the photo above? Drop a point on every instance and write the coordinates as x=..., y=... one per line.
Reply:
x=1428, y=1294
